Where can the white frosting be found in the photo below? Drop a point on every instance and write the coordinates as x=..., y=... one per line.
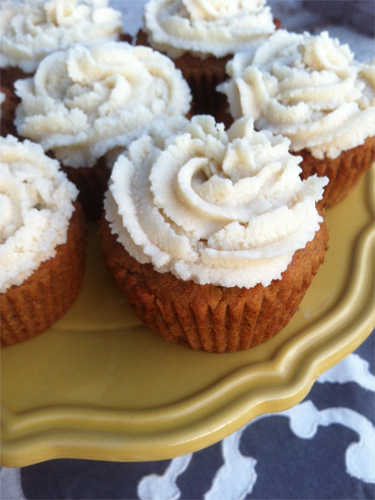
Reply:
x=206, y=27
x=86, y=101
x=307, y=88
x=35, y=209
x=31, y=30
x=226, y=208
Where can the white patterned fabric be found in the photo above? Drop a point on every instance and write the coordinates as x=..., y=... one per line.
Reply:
x=322, y=448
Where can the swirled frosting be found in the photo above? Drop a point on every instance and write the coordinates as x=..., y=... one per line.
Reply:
x=206, y=27
x=31, y=30
x=35, y=209
x=86, y=101
x=307, y=88
x=226, y=208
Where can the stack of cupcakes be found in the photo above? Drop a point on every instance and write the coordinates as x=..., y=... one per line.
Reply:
x=212, y=225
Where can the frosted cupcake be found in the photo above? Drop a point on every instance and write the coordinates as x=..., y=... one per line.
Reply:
x=85, y=102
x=211, y=235
x=201, y=35
x=311, y=90
x=31, y=30
x=42, y=241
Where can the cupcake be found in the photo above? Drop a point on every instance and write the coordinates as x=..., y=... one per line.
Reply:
x=201, y=36
x=8, y=103
x=32, y=30
x=42, y=241
x=211, y=235
x=311, y=90
x=85, y=103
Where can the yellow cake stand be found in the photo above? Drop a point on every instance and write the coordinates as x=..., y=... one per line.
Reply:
x=98, y=385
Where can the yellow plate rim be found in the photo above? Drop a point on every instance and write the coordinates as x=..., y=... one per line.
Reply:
x=198, y=421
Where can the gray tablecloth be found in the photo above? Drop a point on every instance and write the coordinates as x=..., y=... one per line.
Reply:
x=323, y=448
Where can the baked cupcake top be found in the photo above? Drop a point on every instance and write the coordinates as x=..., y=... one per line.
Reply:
x=206, y=27
x=307, y=88
x=31, y=30
x=226, y=208
x=36, y=204
x=85, y=101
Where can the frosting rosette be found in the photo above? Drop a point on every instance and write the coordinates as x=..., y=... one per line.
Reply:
x=31, y=30
x=213, y=206
x=36, y=204
x=206, y=27
x=307, y=88
x=85, y=101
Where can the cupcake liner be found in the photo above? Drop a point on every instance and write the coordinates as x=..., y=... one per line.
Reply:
x=207, y=317
x=344, y=172
x=92, y=182
x=203, y=76
x=11, y=74
x=30, y=308
x=8, y=110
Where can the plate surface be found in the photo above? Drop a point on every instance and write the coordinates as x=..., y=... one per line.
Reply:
x=98, y=385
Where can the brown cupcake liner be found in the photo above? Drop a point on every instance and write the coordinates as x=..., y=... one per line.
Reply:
x=32, y=307
x=8, y=110
x=125, y=37
x=344, y=172
x=222, y=113
x=203, y=78
x=11, y=74
x=92, y=182
x=207, y=317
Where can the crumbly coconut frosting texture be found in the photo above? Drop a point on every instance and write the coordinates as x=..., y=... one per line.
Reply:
x=308, y=88
x=31, y=30
x=206, y=27
x=226, y=208
x=83, y=102
x=36, y=204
